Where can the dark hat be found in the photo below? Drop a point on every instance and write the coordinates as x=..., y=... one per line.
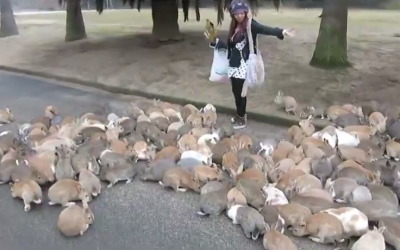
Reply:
x=238, y=7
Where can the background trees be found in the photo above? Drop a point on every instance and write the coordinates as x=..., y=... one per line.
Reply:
x=8, y=26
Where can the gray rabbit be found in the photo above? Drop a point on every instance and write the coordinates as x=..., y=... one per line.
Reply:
x=213, y=203
x=115, y=173
x=250, y=219
x=64, y=168
x=156, y=170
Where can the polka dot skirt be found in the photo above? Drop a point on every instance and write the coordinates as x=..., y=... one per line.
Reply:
x=241, y=71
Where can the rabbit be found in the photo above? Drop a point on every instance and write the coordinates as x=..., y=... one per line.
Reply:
x=81, y=161
x=64, y=169
x=392, y=231
x=213, y=203
x=307, y=126
x=348, y=119
x=235, y=195
x=90, y=182
x=379, y=192
x=118, y=172
x=175, y=126
x=211, y=186
x=296, y=135
x=6, y=116
x=282, y=150
x=199, y=132
x=376, y=209
x=304, y=165
x=359, y=194
x=7, y=169
x=209, y=118
x=254, y=174
x=187, y=142
x=293, y=214
x=313, y=152
x=319, y=193
x=341, y=188
x=285, y=182
x=355, y=222
x=169, y=152
x=93, y=148
x=389, y=174
x=323, y=168
x=297, y=155
x=305, y=182
x=230, y=163
x=251, y=221
x=75, y=220
x=347, y=139
x=66, y=191
x=180, y=180
x=280, y=169
x=372, y=240
x=321, y=228
x=274, y=196
x=162, y=123
x=252, y=192
x=286, y=102
x=356, y=154
x=392, y=150
x=313, y=112
x=27, y=190
x=393, y=129
x=315, y=204
x=189, y=109
x=361, y=176
x=205, y=174
x=270, y=214
x=274, y=239
x=156, y=170
x=334, y=111
x=195, y=120
x=364, y=132
x=377, y=120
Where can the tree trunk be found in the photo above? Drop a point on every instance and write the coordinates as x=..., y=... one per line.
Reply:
x=75, y=26
x=165, y=20
x=331, y=48
x=8, y=26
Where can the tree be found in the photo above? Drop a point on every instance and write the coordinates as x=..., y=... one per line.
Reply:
x=331, y=47
x=75, y=26
x=8, y=26
x=165, y=14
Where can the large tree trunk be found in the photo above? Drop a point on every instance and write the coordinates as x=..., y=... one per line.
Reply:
x=165, y=20
x=8, y=26
x=331, y=48
x=75, y=26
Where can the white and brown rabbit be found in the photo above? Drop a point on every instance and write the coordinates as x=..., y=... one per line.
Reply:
x=66, y=191
x=27, y=190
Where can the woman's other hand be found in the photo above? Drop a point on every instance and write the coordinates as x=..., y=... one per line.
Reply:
x=289, y=32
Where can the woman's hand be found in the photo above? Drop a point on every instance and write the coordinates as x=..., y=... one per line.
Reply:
x=289, y=32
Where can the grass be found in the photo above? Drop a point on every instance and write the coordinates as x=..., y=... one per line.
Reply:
x=119, y=52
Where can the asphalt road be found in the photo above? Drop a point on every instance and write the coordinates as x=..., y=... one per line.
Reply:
x=139, y=216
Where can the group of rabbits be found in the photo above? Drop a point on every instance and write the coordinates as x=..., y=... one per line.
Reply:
x=327, y=185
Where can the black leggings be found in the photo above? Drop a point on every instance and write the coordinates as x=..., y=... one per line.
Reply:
x=237, y=86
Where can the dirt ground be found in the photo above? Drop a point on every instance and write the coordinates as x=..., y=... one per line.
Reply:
x=119, y=52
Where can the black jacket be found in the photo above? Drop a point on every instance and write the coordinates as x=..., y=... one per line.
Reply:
x=256, y=29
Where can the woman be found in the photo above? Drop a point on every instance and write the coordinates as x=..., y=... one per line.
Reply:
x=238, y=53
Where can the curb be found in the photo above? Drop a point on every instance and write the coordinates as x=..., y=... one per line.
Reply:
x=263, y=118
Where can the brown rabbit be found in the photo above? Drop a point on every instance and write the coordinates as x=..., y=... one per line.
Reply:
x=392, y=150
x=187, y=142
x=355, y=154
x=119, y=146
x=307, y=127
x=282, y=151
x=321, y=228
x=235, y=195
x=254, y=174
x=286, y=102
x=27, y=190
x=363, y=132
x=377, y=120
x=314, y=142
x=169, y=152
x=6, y=116
x=90, y=182
x=65, y=191
x=296, y=135
x=180, y=180
x=281, y=168
x=304, y=165
x=230, y=163
x=141, y=150
x=241, y=141
x=306, y=182
x=297, y=155
x=286, y=180
x=205, y=174
x=313, y=152
x=195, y=120
x=274, y=239
x=198, y=132
x=349, y=163
x=294, y=214
x=75, y=220
x=209, y=118
x=334, y=111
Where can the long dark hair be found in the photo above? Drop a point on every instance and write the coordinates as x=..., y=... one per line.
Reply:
x=234, y=24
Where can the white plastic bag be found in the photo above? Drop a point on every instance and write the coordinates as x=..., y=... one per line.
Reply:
x=219, y=67
x=255, y=71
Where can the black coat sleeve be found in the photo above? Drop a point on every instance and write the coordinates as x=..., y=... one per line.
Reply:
x=257, y=28
x=218, y=45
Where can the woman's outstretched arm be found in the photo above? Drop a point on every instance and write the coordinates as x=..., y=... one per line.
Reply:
x=218, y=44
x=257, y=28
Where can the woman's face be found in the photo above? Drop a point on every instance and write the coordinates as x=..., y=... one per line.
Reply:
x=239, y=17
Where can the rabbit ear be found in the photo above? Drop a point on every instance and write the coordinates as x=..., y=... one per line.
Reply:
x=280, y=93
x=381, y=230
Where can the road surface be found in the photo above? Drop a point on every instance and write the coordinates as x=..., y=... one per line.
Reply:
x=139, y=216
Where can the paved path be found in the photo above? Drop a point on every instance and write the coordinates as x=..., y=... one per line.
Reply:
x=140, y=216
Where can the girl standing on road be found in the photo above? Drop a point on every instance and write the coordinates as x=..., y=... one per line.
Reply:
x=238, y=53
